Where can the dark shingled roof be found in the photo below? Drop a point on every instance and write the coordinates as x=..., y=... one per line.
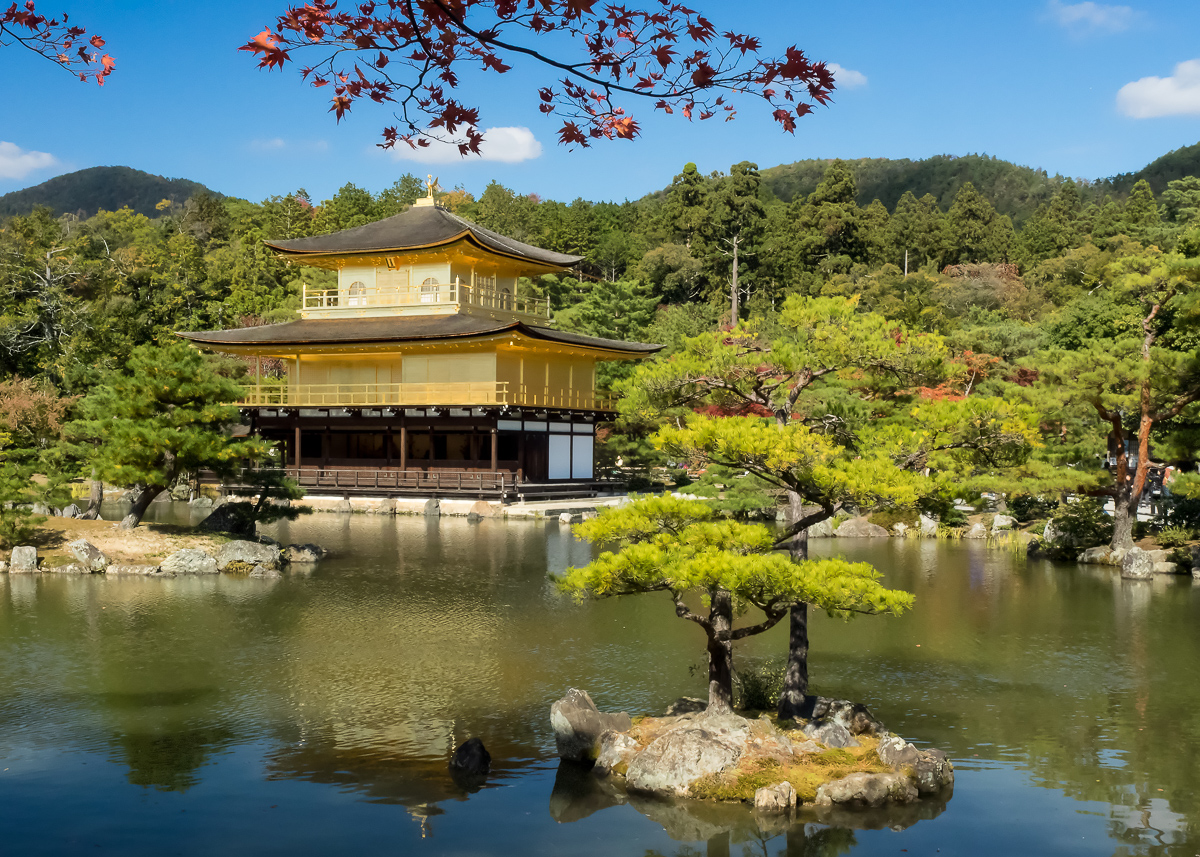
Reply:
x=331, y=331
x=420, y=226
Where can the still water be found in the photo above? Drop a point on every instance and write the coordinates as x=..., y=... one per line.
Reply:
x=315, y=714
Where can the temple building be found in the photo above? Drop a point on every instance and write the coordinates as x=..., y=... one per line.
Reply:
x=424, y=371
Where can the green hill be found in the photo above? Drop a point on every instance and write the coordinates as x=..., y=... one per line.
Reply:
x=1014, y=190
x=1174, y=165
x=85, y=192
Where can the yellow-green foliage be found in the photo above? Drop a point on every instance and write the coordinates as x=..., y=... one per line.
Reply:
x=668, y=543
x=805, y=772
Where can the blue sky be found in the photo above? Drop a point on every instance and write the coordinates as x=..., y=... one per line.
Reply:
x=1083, y=89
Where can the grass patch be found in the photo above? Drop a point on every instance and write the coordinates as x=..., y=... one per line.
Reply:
x=806, y=772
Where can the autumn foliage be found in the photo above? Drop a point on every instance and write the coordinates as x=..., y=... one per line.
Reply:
x=56, y=40
x=412, y=53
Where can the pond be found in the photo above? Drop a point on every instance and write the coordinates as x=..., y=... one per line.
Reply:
x=315, y=714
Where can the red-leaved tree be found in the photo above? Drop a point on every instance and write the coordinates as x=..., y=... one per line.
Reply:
x=56, y=40
x=411, y=53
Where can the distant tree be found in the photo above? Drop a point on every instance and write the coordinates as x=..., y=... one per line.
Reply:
x=675, y=275
x=351, y=206
x=55, y=40
x=402, y=193
x=1131, y=383
x=1181, y=201
x=412, y=53
x=1140, y=219
x=671, y=545
x=829, y=224
x=738, y=224
x=917, y=232
x=165, y=414
x=977, y=233
x=687, y=211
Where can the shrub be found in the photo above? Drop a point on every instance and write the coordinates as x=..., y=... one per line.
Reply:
x=887, y=518
x=758, y=687
x=1082, y=524
x=1026, y=508
x=1173, y=537
x=1182, y=512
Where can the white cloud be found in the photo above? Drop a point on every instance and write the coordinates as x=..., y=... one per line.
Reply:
x=847, y=78
x=1178, y=95
x=16, y=163
x=504, y=145
x=1089, y=17
x=272, y=145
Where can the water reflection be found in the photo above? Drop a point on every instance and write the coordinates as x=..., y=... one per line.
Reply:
x=1065, y=695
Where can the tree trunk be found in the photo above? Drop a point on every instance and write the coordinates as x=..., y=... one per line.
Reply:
x=1123, y=518
x=138, y=510
x=720, y=653
x=734, y=280
x=95, y=499
x=795, y=679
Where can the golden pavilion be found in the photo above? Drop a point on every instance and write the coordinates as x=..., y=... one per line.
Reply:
x=423, y=371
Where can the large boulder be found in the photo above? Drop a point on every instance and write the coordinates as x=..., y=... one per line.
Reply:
x=248, y=554
x=778, y=798
x=24, y=560
x=930, y=770
x=860, y=528
x=829, y=732
x=1101, y=555
x=976, y=531
x=189, y=561
x=1166, y=568
x=821, y=530
x=867, y=790
x=854, y=716
x=71, y=511
x=304, y=554
x=578, y=725
x=89, y=556
x=1137, y=565
x=899, y=529
x=696, y=746
x=432, y=509
x=928, y=527
x=1003, y=522
x=616, y=751
x=64, y=568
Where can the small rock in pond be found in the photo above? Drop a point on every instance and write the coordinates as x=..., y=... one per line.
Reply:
x=304, y=553
x=578, y=725
x=472, y=759
x=777, y=798
x=867, y=790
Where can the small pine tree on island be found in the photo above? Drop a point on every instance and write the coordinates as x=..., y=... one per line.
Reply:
x=669, y=544
x=166, y=413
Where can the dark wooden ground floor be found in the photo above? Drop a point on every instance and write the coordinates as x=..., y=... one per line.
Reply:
x=436, y=451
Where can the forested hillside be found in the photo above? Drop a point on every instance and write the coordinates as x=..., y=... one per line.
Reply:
x=85, y=192
x=1014, y=190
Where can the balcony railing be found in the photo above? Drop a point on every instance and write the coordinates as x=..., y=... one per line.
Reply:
x=455, y=394
x=430, y=295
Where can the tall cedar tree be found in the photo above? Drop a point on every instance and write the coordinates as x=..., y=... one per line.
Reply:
x=672, y=545
x=801, y=407
x=165, y=414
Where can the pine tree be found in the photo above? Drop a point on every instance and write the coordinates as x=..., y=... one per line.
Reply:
x=165, y=414
x=672, y=545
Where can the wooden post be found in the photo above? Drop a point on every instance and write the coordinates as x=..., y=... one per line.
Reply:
x=299, y=464
x=403, y=447
x=495, y=448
